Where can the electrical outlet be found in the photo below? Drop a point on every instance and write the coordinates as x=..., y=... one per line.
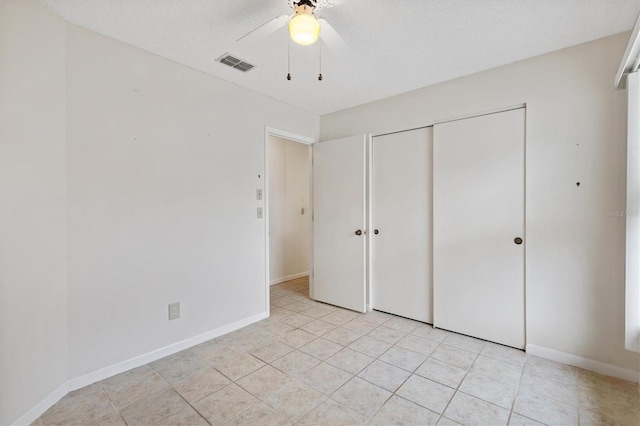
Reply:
x=174, y=311
x=259, y=212
x=259, y=194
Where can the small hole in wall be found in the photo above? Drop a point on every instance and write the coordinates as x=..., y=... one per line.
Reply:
x=577, y=183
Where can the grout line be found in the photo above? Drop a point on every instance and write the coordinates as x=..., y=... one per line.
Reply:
x=243, y=411
x=114, y=406
x=413, y=372
x=296, y=299
x=457, y=389
x=181, y=397
x=513, y=403
x=429, y=357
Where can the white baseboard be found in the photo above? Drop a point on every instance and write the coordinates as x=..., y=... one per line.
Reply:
x=42, y=406
x=106, y=372
x=586, y=363
x=288, y=277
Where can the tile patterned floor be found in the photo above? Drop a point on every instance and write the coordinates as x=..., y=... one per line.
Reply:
x=315, y=364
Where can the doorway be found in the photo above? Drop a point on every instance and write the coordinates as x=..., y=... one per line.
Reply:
x=288, y=212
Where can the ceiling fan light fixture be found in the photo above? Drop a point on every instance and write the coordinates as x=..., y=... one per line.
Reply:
x=304, y=28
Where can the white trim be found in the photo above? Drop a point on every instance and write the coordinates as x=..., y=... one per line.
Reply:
x=630, y=58
x=288, y=278
x=369, y=241
x=481, y=113
x=456, y=118
x=632, y=252
x=311, y=282
x=106, y=372
x=586, y=363
x=365, y=221
x=138, y=361
x=270, y=131
x=42, y=406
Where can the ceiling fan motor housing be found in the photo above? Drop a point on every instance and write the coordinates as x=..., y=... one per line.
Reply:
x=304, y=27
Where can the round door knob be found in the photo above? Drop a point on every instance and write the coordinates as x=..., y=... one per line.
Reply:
x=375, y=231
x=517, y=240
x=358, y=232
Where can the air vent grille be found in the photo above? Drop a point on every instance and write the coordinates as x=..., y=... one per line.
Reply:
x=234, y=62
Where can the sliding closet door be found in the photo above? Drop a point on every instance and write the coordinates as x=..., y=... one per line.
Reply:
x=339, y=240
x=479, y=227
x=401, y=206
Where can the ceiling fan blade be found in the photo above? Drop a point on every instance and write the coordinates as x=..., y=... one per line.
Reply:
x=335, y=2
x=317, y=4
x=322, y=4
x=265, y=29
x=331, y=37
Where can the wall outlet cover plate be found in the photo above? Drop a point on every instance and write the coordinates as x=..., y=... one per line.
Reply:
x=174, y=311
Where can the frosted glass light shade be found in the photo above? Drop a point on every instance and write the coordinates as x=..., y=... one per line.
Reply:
x=304, y=28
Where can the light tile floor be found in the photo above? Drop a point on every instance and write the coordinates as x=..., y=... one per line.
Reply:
x=315, y=364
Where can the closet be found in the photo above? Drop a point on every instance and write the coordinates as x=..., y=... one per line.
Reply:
x=426, y=224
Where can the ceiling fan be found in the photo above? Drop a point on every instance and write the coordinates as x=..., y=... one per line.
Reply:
x=304, y=27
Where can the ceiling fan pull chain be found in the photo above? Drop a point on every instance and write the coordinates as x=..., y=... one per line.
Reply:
x=320, y=57
x=288, y=58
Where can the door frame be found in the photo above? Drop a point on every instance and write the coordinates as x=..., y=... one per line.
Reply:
x=268, y=132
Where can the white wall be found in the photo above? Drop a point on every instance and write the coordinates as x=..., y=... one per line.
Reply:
x=33, y=275
x=163, y=165
x=289, y=229
x=576, y=131
x=127, y=182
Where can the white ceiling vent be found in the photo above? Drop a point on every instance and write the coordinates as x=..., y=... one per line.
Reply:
x=234, y=62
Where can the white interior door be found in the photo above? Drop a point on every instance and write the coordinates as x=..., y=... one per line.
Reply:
x=401, y=204
x=339, y=241
x=478, y=215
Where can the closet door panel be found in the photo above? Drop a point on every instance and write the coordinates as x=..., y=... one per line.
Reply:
x=479, y=227
x=401, y=204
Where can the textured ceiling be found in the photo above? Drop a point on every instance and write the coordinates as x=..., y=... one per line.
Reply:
x=395, y=45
